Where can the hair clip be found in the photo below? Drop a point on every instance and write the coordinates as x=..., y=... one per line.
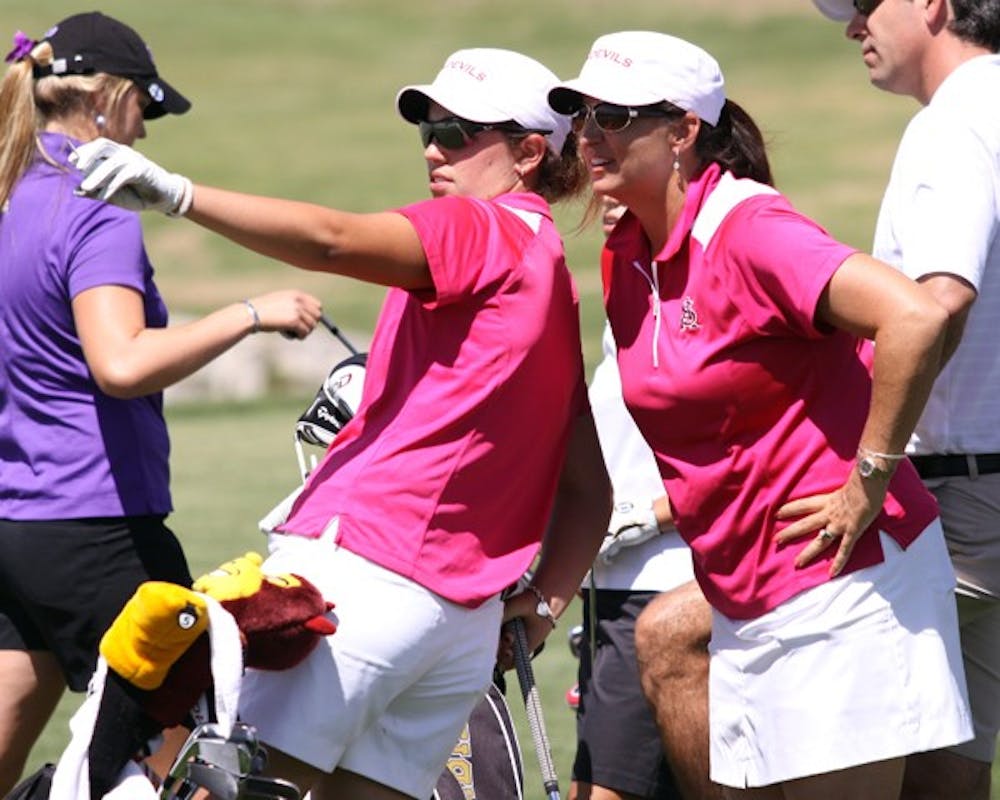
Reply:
x=23, y=45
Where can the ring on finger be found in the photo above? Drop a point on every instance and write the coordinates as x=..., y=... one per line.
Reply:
x=825, y=536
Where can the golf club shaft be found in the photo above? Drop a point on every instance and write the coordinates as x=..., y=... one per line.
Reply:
x=533, y=709
x=330, y=326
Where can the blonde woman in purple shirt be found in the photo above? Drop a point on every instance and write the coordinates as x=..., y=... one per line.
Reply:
x=85, y=355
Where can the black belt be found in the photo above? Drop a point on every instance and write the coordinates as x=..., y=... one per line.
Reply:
x=950, y=466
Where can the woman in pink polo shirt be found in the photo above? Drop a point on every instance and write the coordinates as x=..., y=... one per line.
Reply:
x=435, y=497
x=744, y=342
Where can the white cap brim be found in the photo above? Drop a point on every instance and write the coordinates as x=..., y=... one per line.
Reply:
x=489, y=85
x=567, y=97
x=412, y=103
x=839, y=10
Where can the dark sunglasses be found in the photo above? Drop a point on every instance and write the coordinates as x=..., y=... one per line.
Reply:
x=866, y=7
x=612, y=118
x=454, y=133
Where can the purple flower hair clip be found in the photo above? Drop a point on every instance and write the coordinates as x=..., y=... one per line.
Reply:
x=23, y=45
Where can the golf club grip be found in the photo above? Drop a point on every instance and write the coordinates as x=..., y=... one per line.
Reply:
x=533, y=709
x=328, y=323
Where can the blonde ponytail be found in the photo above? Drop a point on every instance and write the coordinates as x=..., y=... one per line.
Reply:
x=27, y=105
x=20, y=120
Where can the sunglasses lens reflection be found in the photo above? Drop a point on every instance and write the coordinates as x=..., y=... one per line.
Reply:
x=447, y=133
x=611, y=118
x=607, y=116
x=866, y=7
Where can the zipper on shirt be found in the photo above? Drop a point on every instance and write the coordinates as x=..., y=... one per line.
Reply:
x=653, y=279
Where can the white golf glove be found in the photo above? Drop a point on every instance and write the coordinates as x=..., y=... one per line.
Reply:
x=631, y=524
x=118, y=174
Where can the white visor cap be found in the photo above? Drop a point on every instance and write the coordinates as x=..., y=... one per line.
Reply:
x=840, y=10
x=491, y=85
x=642, y=68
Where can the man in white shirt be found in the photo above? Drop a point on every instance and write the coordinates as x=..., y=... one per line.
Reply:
x=939, y=224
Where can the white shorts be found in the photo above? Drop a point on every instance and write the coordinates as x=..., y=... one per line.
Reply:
x=387, y=695
x=863, y=668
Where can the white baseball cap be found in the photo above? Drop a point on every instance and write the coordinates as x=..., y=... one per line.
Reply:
x=840, y=10
x=642, y=68
x=490, y=85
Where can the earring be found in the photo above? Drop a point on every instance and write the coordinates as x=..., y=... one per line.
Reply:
x=677, y=169
x=100, y=121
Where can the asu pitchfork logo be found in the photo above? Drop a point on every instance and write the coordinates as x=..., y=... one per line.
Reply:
x=689, y=317
x=460, y=765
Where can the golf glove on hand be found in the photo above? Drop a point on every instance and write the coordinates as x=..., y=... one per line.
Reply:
x=630, y=524
x=120, y=175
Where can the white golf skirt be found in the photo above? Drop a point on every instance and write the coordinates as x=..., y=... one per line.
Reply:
x=863, y=668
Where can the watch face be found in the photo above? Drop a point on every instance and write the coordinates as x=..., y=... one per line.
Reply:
x=868, y=468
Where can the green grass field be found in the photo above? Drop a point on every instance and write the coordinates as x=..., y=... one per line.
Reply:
x=295, y=98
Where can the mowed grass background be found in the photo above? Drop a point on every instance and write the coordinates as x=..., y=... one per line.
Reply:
x=295, y=98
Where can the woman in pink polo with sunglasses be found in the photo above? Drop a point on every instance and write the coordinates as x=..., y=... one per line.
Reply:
x=435, y=497
x=744, y=345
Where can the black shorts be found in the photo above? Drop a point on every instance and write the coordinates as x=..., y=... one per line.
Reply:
x=63, y=582
x=618, y=745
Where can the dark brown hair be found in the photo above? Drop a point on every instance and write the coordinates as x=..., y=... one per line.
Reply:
x=736, y=144
x=978, y=22
x=562, y=176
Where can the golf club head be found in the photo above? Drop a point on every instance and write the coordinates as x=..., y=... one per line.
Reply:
x=335, y=403
x=575, y=636
x=257, y=788
x=226, y=766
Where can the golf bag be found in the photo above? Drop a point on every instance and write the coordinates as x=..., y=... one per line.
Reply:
x=486, y=762
x=335, y=403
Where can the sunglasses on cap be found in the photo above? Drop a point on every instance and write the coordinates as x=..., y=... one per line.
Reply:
x=454, y=133
x=866, y=7
x=612, y=118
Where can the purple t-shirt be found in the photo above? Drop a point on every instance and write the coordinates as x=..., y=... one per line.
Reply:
x=67, y=450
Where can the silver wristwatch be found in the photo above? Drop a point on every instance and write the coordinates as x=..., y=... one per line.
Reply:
x=869, y=469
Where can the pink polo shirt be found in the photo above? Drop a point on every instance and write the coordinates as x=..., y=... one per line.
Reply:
x=744, y=401
x=448, y=472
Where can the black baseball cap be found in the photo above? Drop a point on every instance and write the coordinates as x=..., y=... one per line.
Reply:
x=87, y=43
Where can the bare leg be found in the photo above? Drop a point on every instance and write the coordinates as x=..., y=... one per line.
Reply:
x=32, y=685
x=940, y=775
x=323, y=786
x=761, y=793
x=880, y=780
x=671, y=639
x=282, y=765
x=163, y=759
x=343, y=784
